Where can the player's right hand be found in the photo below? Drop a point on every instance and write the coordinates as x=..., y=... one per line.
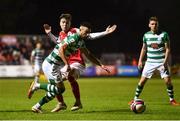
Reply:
x=140, y=67
x=47, y=28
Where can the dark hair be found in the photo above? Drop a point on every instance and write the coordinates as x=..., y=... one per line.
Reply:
x=66, y=16
x=153, y=18
x=86, y=24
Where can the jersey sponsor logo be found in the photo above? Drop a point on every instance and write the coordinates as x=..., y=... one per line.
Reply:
x=154, y=45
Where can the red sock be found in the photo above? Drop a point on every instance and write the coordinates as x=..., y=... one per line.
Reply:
x=60, y=98
x=75, y=87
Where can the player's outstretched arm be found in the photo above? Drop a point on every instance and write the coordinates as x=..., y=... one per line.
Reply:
x=109, y=30
x=93, y=59
x=105, y=68
x=47, y=29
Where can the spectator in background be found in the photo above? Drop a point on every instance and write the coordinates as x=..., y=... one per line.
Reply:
x=2, y=58
x=17, y=58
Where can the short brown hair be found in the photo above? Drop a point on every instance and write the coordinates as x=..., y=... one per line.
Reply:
x=153, y=18
x=66, y=16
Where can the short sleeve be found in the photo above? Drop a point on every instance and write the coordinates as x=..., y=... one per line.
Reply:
x=166, y=37
x=144, y=39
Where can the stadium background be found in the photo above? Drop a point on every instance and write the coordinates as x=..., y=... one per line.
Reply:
x=103, y=98
x=24, y=19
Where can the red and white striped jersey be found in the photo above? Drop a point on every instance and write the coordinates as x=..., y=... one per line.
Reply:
x=75, y=57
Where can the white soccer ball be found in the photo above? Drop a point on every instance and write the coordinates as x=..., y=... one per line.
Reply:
x=138, y=106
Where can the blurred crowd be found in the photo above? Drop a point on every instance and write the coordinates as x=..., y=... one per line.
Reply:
x=16, y=50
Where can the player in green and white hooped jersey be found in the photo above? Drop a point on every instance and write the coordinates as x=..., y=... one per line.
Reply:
x=37, y=57
x=156, y=45
x=76, y=60
x=55, y=61
x=52, y=64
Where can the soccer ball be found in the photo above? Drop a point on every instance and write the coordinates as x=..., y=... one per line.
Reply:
x=138, y=106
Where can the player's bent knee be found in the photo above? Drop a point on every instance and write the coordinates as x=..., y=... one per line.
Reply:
x=61, y=87
x=74, y=74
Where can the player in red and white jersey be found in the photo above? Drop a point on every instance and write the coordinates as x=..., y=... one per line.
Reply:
x=76, y=60
x=75, y=57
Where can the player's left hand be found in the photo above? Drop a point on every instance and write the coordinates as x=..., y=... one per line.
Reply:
x=47, y=28
x=105, y=68
x=111, y=29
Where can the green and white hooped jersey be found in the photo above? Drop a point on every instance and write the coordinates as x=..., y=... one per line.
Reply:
x=38, y=56
x=74, y=42
x=155, y=46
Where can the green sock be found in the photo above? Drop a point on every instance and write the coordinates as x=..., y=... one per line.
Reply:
x=50, y=88
x=170, y=92
x=139, y=89
x=49, y=96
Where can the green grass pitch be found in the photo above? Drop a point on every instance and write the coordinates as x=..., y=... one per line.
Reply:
x=102, y=98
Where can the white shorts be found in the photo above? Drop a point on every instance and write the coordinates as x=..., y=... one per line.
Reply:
x=37, y=68
x=79, y=69
x=149, y=69
x=52, y=72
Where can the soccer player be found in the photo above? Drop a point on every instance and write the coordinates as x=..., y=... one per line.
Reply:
x=37, y=57
x=76, y=60
x=156, y=44
x=58, y=59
